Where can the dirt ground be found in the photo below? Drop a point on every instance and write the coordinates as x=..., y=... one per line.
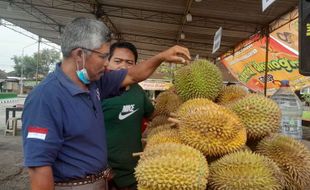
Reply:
x=12, y=174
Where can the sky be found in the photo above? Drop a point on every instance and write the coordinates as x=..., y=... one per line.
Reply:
x=13, y=43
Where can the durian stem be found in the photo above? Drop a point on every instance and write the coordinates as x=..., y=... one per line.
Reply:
x=137, y=154
x=173, y=114
x=173, y=120
x=174, y=126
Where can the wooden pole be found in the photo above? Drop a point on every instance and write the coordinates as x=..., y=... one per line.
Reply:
x=266, y=60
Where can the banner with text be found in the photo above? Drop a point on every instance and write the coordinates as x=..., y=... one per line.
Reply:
x=248, y=64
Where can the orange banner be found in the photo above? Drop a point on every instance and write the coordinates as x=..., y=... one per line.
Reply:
x=287, y=36
x=248, y=64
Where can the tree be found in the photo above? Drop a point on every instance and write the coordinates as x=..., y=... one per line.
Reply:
x=3, y=74
x=167, y=70
x=28, y=64
x=306, y=97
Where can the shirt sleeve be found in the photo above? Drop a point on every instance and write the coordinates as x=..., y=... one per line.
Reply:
x=110, y=83
x=42, y=133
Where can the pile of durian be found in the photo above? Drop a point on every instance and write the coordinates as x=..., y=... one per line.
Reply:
x=208, y=136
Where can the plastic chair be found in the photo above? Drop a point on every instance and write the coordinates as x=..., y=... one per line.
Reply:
x=11, y=126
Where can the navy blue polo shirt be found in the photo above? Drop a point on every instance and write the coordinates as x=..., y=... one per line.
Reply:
x=63, y=125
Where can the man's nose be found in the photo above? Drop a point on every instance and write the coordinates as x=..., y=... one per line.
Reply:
x=106, y=63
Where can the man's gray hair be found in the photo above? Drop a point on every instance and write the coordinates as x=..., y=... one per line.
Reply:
x=84, y=32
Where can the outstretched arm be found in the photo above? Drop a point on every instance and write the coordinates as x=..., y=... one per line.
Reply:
x=142, y=71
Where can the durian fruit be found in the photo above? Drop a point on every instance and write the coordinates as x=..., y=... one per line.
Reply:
x=291, y=156
x=210, y=128
x=160, y=128
x=231, y=93
x=244, y=170
x=165, y=136
x=260, y=115
x=245, y=148
x=172, y=167
x=193, y=105
x=158, y=120
x=175, y=149
x=172, y=89
x=166, y=103
x=201, y=79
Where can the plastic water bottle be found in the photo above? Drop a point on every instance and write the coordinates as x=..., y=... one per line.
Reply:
x=291, y=108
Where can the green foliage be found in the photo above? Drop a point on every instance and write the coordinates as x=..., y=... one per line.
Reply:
x=28, y=64
x=3, y=74
x=5, y=95
x=167, y=70
x=306, y=97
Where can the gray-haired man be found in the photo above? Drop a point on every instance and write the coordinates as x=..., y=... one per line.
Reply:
x=63, y=136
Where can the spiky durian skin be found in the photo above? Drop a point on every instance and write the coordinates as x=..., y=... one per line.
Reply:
x=158, y=120
x=175, y=149
x=182, y=82
x=165, y=136
x=166, y=103
x=260, y=115
x=231, y=93
x=244, y=170
x=172, y=167
x=201, y=79
x=291, y=156
x=210, y=128
x=159, y=129
x=193, y=106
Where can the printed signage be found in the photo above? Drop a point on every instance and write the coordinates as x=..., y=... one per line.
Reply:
x=217, y=40
x=267, y=3
x=247, y=64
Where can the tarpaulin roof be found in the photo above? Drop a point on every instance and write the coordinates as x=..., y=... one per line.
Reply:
x=151, y=25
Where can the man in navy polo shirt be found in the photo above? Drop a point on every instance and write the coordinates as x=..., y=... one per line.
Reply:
x=63, y=137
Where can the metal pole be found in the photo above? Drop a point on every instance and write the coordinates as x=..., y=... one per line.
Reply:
x=22, y=69
x=38, y=60
x=22, y=74
x=21, y=80
x=266, y=61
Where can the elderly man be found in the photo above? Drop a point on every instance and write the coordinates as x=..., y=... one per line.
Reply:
x=64, y=138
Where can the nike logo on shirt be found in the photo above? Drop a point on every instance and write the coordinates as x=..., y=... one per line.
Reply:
x=122, y=117
x=127, y=111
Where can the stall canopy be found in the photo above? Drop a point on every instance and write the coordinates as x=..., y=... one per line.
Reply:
x=152, y=25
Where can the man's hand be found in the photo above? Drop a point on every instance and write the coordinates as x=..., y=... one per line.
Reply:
x=142, y=71
x=175, y=54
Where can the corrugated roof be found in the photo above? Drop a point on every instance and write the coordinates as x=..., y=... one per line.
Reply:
x=151, y=25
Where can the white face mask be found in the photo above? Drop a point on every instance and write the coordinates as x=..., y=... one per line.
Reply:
x=82, y=74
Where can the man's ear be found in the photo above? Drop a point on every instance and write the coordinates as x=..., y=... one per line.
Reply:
x=77, y=54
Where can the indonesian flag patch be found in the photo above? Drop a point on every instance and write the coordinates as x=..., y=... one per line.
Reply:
x=37, y=133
